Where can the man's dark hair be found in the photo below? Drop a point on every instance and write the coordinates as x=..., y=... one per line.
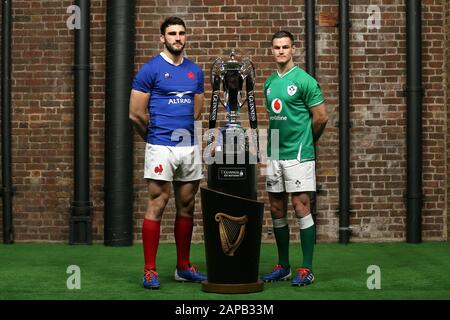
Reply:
x=170, y=21
x=283, y=34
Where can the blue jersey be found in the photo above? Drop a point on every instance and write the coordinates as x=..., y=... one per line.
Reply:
x=171, y=106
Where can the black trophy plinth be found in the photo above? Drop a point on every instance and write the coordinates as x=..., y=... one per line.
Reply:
x=233, y=172
x=232, y=264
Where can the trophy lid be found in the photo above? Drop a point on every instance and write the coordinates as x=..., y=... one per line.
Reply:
x=232, y=64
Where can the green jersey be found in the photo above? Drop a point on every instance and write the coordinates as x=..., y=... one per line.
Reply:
x=288, y=100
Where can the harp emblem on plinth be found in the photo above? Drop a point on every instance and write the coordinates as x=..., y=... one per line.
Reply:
x=231, y=230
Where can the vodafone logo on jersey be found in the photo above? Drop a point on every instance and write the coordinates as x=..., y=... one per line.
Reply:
x=277, y=105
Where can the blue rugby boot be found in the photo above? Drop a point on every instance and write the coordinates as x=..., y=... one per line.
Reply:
x=303, y=277
x=278, y=273
x=151, y=280
x=189, y=275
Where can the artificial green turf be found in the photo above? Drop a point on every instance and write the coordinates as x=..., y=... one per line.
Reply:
x=408, y=271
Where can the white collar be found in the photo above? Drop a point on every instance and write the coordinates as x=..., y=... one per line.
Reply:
x=289, y=71
x=165, y=57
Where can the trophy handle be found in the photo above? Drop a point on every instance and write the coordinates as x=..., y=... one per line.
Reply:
x=248, y=69
x=249, y=84
x=215, y=79
x=254, y=143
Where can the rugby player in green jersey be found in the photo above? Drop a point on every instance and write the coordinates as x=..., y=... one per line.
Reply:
x=297, y=118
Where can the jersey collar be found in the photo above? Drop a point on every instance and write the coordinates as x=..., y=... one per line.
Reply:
x=286, y=73
x=165, y=57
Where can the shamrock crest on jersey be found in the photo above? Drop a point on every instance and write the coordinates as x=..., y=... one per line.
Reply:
x=291, y=90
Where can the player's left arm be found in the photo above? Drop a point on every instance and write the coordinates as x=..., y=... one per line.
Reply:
x=319, y=120
x=199, y=99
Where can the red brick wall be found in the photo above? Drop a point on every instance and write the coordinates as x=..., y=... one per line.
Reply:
x=43, y=109
x=434, y=123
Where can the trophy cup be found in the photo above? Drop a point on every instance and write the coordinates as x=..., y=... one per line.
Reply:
x=232, y=216
x=235, y=150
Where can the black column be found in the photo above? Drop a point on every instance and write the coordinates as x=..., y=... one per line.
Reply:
x=118, y=129
x=7, y=188
x=80, y=219
x=414, y=121
x=310, y=16
x=344, y=123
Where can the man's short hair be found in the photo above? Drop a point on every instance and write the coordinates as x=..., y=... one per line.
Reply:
x=283, y=34
x=170, y=21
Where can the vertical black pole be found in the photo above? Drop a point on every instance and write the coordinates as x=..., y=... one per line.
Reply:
x=344, y=124
x=310, y=15
x=80, y=220
x=7, y=188
x=118, y=130
x=414, y=118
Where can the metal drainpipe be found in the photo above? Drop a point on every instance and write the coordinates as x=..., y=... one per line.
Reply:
x=310, y=16
x=414, y=93
x=118, y=189
x=344, y=123
x=80, y=220
x=7, y=186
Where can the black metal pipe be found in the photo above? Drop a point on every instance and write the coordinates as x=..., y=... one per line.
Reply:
x=344, y=124
x=310, y=30
x=118, y=218
x=80, y=220
x=310, y=15
x=414, y=117
x=7, y=186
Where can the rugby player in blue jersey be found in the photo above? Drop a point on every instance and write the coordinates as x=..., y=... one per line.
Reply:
x=166, y=98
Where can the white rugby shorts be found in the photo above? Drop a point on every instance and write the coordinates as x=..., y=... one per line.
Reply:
x=290, y=176
x=173, y=163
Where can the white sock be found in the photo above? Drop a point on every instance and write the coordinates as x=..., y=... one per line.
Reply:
x=280, y=223
x=306, y=221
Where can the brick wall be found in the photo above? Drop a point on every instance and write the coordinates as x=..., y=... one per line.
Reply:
x=434, y=124
x=42, y=84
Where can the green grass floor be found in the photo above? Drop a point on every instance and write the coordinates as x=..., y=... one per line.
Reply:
x=408, y=271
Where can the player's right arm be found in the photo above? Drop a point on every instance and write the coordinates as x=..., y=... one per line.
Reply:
x=138, y=112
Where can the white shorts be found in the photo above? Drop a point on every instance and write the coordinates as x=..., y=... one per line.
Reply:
x=290, y=176
x=173, y=163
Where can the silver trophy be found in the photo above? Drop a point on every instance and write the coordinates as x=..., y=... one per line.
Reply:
x=230, y=75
